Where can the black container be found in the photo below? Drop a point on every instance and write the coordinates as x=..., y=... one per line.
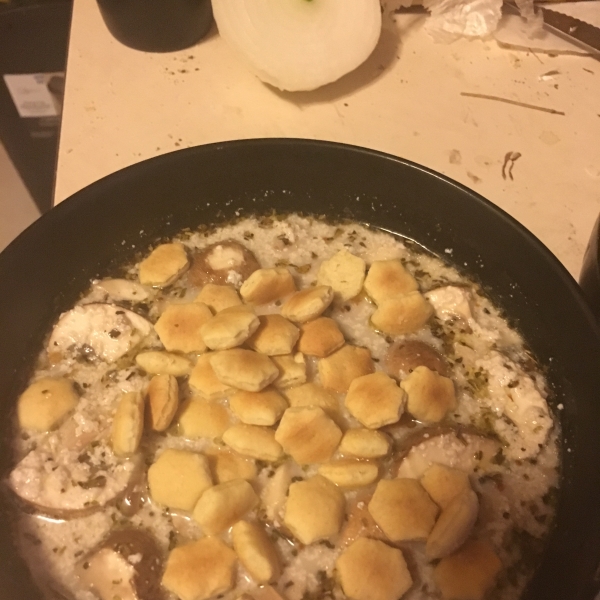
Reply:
x=157, y=25
x=45, y=270
x=589, y=279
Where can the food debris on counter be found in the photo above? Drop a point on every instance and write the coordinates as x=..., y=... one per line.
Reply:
x=509, y=162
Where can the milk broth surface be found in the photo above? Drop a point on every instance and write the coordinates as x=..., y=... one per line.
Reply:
x=88, y=524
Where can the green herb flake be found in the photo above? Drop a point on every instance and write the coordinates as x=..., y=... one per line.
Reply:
x=498, y=458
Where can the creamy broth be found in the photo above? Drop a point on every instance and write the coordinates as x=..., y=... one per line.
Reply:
x=79, y=483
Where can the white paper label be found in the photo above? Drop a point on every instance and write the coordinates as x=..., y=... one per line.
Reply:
x=31, y=94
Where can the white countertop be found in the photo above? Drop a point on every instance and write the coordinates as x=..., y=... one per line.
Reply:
x=123, y=106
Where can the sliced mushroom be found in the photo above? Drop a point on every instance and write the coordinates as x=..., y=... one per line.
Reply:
x=97, y=331
x=135, y=496
x=405, y=356
x=48, y=480
x=132, y=543
x=515, y=395
x=453, y=526
x=126, y=565
x=71, y=436
x=109, y=575
x=221, y=263
x=451, y=447
x=123, y=289
x=451, y=302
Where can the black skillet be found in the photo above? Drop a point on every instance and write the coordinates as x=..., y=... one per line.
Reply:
x=49, y=265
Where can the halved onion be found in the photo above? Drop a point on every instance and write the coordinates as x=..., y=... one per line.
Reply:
x=300, y=44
